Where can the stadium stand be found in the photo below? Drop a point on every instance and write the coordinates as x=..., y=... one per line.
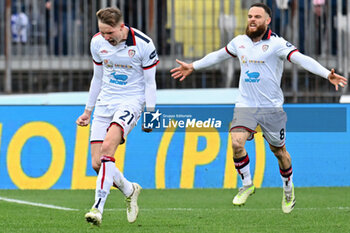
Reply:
x=55, y=56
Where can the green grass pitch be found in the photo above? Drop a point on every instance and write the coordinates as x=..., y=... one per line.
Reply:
x=176, y=210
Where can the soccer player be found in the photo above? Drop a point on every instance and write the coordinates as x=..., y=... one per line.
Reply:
x=123, y=83
x=261, y=54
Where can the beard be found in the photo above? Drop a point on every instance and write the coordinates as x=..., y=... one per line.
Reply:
x=258, y=32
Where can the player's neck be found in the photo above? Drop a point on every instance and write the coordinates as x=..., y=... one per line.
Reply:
x=259, y=38
x=125, y=35
x=126, y=32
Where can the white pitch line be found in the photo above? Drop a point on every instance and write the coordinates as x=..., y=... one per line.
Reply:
x=233, y=209
x=170, y=209
x=155, y=209
x=36, y=204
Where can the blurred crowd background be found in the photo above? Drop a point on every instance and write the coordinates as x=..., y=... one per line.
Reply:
x=44, y=44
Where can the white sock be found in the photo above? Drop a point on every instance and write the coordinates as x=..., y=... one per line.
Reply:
x=243, y=169
x=122, y=183
x=104, y=182
x=287, y=178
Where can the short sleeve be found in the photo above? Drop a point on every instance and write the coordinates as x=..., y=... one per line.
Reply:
x=231, y=48
x=285, y=49
x=94, y=52
x=150, y=56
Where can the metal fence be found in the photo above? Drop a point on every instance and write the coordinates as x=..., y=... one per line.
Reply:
x=44, y=44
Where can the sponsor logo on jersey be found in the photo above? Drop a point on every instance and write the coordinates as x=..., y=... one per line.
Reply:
x=103, y=51
x=108, y=63
x=244, y=59
x=241, y=47
x=119, y=79
x=122, y=66
x=253, y=77
x=153, y=54
x=265, y=47
x=131, y=53
x=256, y=62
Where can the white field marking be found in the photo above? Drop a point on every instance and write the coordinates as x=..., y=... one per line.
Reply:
x=234, y=209
x=36, y=204
x=156, y=209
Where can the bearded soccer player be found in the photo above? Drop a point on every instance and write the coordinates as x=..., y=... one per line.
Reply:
x=123, y=83
x=261, y=54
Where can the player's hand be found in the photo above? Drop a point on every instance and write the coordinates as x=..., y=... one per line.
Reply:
x=84, y=119
x=337, y=79
x=147, y=130
x=182, y=71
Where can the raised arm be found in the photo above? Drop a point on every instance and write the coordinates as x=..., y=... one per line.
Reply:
x=313, y=66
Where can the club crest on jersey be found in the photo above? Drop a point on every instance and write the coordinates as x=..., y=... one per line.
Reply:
x=131, y=53
x=265, y=47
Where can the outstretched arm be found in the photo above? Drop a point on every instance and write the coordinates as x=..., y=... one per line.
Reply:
x=186, y=69
x=182, y=71
x=313, y=66
x=337, y=79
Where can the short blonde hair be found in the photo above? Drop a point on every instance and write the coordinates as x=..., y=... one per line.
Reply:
x=111, y=16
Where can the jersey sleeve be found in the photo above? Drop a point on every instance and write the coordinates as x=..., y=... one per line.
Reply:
x=211, y=59
x=285, y=49
x=150, y=56
x=94, y=52
x=231, y=48
x=309, y=64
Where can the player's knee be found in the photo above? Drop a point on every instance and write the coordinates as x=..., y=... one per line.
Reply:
x=279, y=152
x=105, y=146
x=238, y=147
x=95, y=160
x=96, y=166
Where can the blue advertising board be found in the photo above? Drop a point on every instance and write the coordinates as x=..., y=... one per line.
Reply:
x=41, y=147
